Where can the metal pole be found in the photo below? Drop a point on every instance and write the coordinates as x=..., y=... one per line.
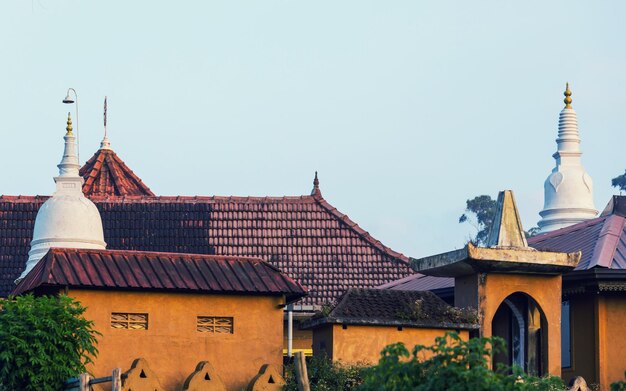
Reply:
x=289, y=330
x=77, y=133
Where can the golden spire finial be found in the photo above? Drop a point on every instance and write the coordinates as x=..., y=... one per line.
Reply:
x=69, y=124
x=568, y=97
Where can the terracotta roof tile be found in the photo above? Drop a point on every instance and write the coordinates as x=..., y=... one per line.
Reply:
x=131, y=270
x=303, y=236
x=105, y=174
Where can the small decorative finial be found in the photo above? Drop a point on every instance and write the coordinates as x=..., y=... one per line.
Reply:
x=568, y=97
x=105, y=144
x=105, y=117
x=69, y=124
x=316, y=185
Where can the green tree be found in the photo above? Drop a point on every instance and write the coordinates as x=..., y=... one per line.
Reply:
x=619, y=182
x=43, y=341
x=480, y=212
x=619, y=385
x=450, y=364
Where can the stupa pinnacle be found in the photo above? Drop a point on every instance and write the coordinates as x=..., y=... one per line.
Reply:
x=67, y=219
x=568, y=190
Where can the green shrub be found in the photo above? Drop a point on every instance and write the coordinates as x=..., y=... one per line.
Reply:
x=453, y=365
x=43, y=342
x=324, y=375
x=619, y=386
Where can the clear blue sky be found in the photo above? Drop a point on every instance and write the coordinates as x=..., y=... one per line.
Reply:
x=406, y=108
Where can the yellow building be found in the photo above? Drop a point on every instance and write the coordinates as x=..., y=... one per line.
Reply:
x=174, y=310
x=364, y=321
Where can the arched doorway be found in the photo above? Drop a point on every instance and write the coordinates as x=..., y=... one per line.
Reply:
x=520, y=321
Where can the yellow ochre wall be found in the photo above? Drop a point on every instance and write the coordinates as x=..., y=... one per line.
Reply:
x=173, y=347
x=493, y=288
x=582, y=339
x=363, y=344
x=611, y=323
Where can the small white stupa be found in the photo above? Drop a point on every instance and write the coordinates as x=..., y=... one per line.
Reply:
x=568, y=190
x=67, y=219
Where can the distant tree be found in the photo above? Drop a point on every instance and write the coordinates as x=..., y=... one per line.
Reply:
x=480, y=212
x=44, y=341
x=532, y=232
x=619, y=182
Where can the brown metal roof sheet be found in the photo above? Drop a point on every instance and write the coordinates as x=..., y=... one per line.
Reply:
x=133, y=270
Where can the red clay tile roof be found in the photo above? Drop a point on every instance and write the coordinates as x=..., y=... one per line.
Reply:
x=303, y=236
x=106, y=174
x=141, y=270
x=395, y=308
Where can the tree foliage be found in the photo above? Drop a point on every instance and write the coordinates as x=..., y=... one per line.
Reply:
x=480, y=212
x=450, y=364
x=619, y=182
x=619, y=385
x=43, y=341
x=325, y=375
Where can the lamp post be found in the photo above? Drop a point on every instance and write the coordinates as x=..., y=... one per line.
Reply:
x=69, y=100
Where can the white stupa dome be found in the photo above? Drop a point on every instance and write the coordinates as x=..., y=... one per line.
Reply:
x=568, y=190
x=68, y=219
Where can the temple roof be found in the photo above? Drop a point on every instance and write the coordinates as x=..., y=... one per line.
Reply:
x=304, y=236
x=106, y=174
x=602, y=240
x=395, y=308
x=141, y=270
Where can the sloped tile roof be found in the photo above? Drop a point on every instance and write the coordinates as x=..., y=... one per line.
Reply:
x=394, y=307
x=105, y=174
x=304, y=236
x=141, y=270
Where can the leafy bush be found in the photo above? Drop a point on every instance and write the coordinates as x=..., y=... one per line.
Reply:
x=43, y=342
x=324, y=375
x=619, y=386
x=453, y=364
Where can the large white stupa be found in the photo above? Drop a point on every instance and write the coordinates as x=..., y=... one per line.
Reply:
x=67, y=219
x=568, y=190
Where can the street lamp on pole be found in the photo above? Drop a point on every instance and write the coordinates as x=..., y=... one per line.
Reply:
x=69, y=100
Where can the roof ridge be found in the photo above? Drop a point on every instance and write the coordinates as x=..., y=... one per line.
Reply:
x=63, y=250
x=360, y=231
x=608, y=240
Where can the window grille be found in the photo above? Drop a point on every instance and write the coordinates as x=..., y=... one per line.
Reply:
x=124, y=320
x=215, y=324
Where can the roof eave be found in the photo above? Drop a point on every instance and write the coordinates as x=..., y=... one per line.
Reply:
x=472, y=259
x=319, y=322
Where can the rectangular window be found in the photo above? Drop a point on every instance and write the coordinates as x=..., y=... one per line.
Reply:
x=215, y=324
x=130, y=321
x=566, y=345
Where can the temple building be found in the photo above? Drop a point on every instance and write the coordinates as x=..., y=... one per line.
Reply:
x=304, y=236
x=173, y=310
x=593, y=295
